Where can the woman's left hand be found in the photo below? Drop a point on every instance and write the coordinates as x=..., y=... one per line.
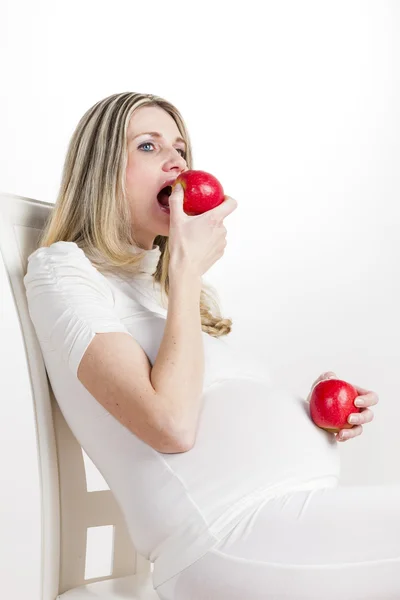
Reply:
x=364, y=400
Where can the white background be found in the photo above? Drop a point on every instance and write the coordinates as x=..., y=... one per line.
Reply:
x=293, y=105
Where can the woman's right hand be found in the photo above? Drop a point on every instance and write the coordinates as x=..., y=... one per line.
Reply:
x=197, y=242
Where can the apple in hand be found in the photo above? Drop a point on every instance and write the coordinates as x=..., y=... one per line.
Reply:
x=331, y=403
x=202, y=191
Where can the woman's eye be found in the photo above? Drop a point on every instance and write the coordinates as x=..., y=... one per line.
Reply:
x=183, y=153
x=145, y=144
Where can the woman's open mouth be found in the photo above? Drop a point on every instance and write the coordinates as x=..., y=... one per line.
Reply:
x=163, y=198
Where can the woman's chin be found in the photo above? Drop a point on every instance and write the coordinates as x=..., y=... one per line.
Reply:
x=161, y=217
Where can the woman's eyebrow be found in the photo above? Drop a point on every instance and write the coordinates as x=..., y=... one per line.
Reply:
x=157, y=135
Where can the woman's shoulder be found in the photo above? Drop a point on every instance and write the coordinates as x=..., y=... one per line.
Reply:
x=61, y=260
x=57, y=250
x=59, y=255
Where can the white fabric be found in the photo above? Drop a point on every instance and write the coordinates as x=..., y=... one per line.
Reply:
x=254, y=441
x=321, y=544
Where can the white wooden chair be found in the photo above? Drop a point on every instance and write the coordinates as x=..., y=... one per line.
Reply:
x=46, y=510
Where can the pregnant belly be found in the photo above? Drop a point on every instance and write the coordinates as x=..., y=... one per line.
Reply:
x=252, y=440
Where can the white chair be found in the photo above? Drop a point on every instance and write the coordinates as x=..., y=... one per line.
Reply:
x=45, y=507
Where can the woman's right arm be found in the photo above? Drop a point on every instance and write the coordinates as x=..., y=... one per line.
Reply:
x=195, y=244
x=178, y=371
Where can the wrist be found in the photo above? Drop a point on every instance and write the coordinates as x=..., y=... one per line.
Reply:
x=185, y=278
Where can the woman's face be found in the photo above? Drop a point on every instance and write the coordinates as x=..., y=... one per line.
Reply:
x=152, y=161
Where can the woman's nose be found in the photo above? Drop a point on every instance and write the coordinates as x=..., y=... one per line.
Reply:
x=177, y=160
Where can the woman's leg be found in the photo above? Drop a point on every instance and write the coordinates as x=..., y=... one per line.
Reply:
x=306, y=545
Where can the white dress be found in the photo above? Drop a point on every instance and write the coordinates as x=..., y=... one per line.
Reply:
x=254, y=441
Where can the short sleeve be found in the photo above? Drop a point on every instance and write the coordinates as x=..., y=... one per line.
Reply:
x=69, y=301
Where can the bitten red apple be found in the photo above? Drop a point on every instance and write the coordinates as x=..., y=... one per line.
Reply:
x=202, y=191
x=331, y=403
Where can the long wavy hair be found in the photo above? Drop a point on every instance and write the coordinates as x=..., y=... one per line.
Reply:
x=92, y=210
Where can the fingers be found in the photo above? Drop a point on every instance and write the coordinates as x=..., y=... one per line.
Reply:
x=176, y=201
x=365, y=416
x=216, y=215
x=327, y=375
x=367, y=398
x=357, y=420
x=224, y=209
x=348, y=434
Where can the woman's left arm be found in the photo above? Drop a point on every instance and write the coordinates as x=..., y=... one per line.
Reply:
x=363, y=401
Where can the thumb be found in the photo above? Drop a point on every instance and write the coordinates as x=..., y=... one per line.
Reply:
x=324, y=376
x=176, y=202
x=328, y=375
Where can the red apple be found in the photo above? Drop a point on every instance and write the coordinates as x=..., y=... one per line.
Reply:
x=331, y=403
x=202, y=191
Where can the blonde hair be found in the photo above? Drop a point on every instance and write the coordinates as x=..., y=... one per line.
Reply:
x=91, y=208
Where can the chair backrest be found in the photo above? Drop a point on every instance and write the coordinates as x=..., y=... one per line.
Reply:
x=46, y=509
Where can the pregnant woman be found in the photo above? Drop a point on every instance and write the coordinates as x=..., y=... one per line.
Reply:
x=226, y=484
